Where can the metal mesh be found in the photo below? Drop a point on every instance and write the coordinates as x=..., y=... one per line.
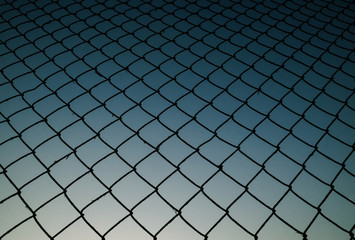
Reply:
x=177, y=119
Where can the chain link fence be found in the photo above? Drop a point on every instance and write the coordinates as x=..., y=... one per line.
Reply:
x=179, y=119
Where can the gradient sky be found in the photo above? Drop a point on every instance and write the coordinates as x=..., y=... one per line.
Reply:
x=178, y=120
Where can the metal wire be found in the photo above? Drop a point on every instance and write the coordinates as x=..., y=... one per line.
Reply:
x=214, y=112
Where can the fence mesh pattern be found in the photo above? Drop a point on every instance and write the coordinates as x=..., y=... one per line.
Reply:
x=177, y=119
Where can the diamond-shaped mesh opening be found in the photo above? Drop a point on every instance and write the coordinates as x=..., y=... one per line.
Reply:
x=177, y=119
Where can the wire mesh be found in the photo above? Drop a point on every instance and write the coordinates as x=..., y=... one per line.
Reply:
x=177, y=119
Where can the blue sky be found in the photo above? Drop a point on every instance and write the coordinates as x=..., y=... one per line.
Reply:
x=178, y=120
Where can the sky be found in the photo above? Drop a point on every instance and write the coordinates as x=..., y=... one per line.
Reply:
x=177, y=120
